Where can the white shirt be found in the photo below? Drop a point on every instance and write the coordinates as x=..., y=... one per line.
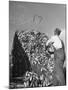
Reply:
x=56, y=42
x=63, y=38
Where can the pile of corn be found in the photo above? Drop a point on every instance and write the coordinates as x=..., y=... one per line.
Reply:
x=42, y=62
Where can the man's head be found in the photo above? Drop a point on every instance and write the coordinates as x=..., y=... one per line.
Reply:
x=57, y=31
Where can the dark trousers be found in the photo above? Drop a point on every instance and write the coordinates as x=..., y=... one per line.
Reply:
x=59, y=79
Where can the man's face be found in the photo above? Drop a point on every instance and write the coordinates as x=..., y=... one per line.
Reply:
x=55, y=33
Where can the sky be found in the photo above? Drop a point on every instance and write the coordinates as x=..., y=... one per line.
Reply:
x=47, y=17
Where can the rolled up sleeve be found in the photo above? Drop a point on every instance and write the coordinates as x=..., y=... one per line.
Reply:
x=50, y=40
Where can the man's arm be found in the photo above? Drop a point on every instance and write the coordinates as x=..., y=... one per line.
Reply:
x=51, y=40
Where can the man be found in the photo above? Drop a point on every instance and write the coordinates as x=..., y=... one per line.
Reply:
x=62, y=37
x=59, y=56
